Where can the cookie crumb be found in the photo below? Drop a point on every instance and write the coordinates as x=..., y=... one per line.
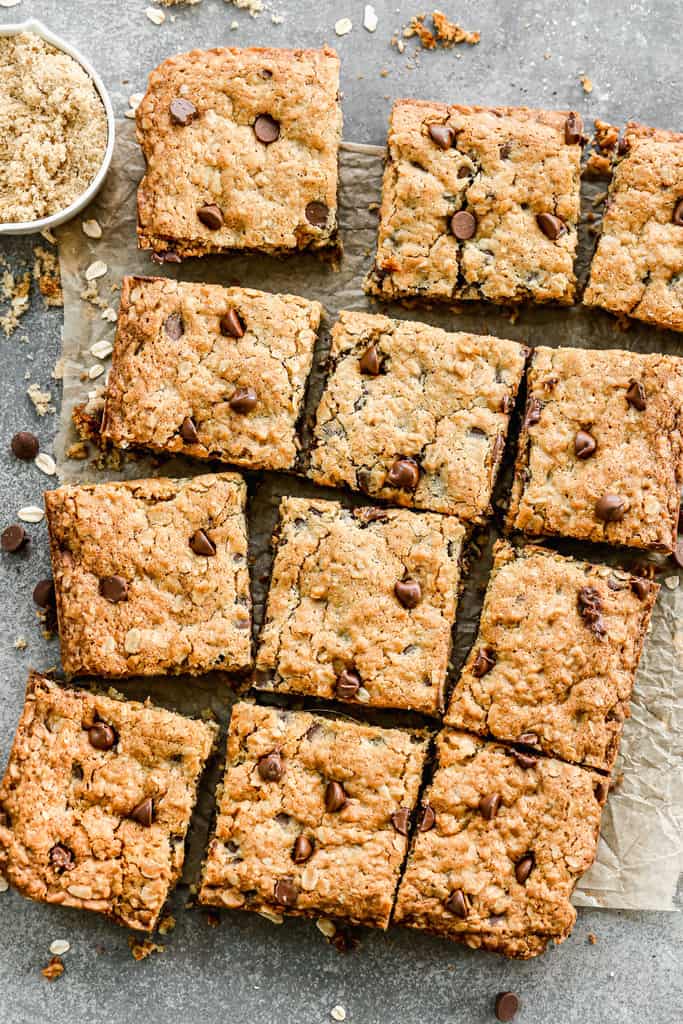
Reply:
x=20, y=643
x=167, y=924
x=46, y=273
x=586, y=84
x=42, y=400
x=142, y=948
x=592, y=938
x=54, y=970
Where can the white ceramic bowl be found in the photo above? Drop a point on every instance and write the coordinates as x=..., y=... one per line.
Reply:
x=30, y=227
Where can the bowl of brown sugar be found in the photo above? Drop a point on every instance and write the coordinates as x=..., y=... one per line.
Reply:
x=56, y=130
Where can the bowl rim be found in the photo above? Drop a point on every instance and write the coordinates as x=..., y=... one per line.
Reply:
x=36, y=27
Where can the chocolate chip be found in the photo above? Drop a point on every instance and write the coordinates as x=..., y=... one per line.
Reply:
x=232, y=325
x=400, y=819
x=202, y=544
x=271, y=766
x=211, y=216
x=13, y=538
x=114, y=589
x=302, y=849
x=317, y=214
x=524, y=760
x=174, y=326
x=463, y=225
x=506, y=1006
x=188, y=431
x=266, y=129
x=335, y=797
x=44, y=593
x=144, y=812
x=61, y=858
x=442, y=135
x=286, y=892
x=484, y=662
x=529, y=738
x=610, y=508
x=426, y=818
x=25, y=445
x=573, y=129
x=458, y=904
x=505, y=150
x=551, y=226
x=489, y=806
x=404, y=474
x=678, y=214
x=635, y=396
x=584, y=444
x=348, y=684
x=408, y=593
x=677, y=553
x=590, y=609
x=370, y=363
x=523, y=868
x=243, y=400
x=533, y=411
x=640, y=587
x=169, y=256
x=182, y=111
x=600, y=790
x=101, y=736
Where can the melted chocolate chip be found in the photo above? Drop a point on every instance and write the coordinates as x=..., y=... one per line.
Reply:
x=286, y=892
x=442, y=135
x=677, y=217
x=188, y=431
x=573, y=129
x=640, y=587
x=484, y=662
x=506, y=1006
x=266, y=129
x=400, y=819
x=463, y=225
x=201, y=544
x=102, y=736
x=524, y=867
x=271, y=766
x=114, y=589
x=610, y=508
x=303, y=849
x=232, y=325
x=590, y=609
x=174, y=326
x=551, y=226
x=143, y=813
x=335, y=797
x=533, y=412
x=458, y=904
x=426, y=818
x=404, y=474
x=243, y=400
x=317, y=214
x=348, y=684
x=524, y=760
x=408, y=593
x=635, y=396
x=183, y=112
x=370, y=362
x=211, y=216
x=489, y=806
x=61, y=858
x=585, y=445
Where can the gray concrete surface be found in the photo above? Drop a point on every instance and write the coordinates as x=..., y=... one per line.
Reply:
x=248, y=970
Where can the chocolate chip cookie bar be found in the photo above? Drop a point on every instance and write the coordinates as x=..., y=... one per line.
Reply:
x=210, y=372
x=151, y=576
x=414, y=414
x=501, y=840
x=96, y=801
x=361, y=604
x=637, y=269
x=601, y=450
x=313, y=817
x=241, y=149
x=479, y=203
x=554, y=661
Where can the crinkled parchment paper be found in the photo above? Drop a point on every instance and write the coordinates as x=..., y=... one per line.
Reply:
x=641, y=848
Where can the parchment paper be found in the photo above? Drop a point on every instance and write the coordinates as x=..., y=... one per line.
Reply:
x=640, y=854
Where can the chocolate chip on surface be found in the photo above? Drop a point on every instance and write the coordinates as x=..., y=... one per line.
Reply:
x=232, y=325
x=442, y=135
x=286, y=892
x=601, y=790
x=484, y=662
x=610, y=508
x=243, y=400
x=102, y=736
x=533, y=411
x=408, y=593
x=640, y=587
x=302, y=849
x=13, y=538
x=211, y=216
x=677, y=217
x=44, y=593
x=348, y=684
x=61, y=858
x=489, y=806
x=174, y=326
x=506, y=1006
x=524, y=867
x=404, y=474
x=463, y=225
x=525, y=760
x=266, y=129
x=551, y=226
x=202, y=544
x=188, y=431
x=25, y=445
x=143, y=813
x=370, y=363
x=400, y=819
x=182, y=111
x=335, y=797
x=317, y=214
x=271, y=766
x=585, y=444
x=458, y=904
x=114, y=589
x=635, y=395
x=426, y=818
x=590, y=609
x=573, y=129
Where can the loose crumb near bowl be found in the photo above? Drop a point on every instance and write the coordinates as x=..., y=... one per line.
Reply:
x=53, y=129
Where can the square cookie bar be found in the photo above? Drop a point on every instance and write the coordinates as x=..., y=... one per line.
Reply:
x=501, y=841
x=637, y=269
x=313, y=817
x=479, y=203
x=554, y=661
x=601, y=451
x=151, y=576
x=241, y=149
x=216, y=373
x=415, y=415
x=96, y=801
x=361, y=604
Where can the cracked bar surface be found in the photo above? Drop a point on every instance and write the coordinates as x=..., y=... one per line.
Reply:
x=556, y=654
x=335, y=623
x=178, y=364
x=151, y=576
x=287, y=773
x=637, y=268
x=503, y=168
x=73, y=830
x=241, y=149
x=502, y=848
x=601, y=450
x=440, y=400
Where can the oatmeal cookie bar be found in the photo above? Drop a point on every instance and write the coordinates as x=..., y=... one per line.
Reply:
x=361, y=604
x=600, y=453
x=151, y=576
x=637, y=269
x=555, y=657
x=241, y=149
x=210, y=372
x=96, y=801
x=479, y=203
x=415, y=415
x=313, y=817
x=502, y=839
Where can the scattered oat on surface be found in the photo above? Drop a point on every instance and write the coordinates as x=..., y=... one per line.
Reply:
x=3, y=884
x=97, y=269
x=370, y=18
x=134, y=101
x=31, y=514
x=326, y=926
x=671, y=582
x=54, y=970
x=59, y=947
x=45, y=463
x=142, y=948
x=9, y=3
x=586, y=84
x=20, y=644
x=101, y=349
x=343, y=26
x=53, y=126
x=95, y=371
x=156, y=16
x=91, y=228
x=42, y=400
x=46, y=273
x=338, y=1013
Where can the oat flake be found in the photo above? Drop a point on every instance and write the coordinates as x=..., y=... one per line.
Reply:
x=3, y=884
x=158, y=17
x=45, y=463
x=343, y=26
x=97, y=269
x=102, y=349
x=31, y=514
x=95, y=371
x=370, y=18
x=59, y=947
x=91, y=228
x=338, y=1013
